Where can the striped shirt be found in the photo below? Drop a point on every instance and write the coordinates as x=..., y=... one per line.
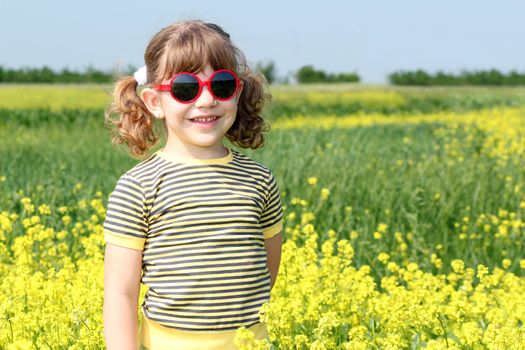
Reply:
x=201, y=224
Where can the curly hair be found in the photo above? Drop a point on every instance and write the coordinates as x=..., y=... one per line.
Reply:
x=187, y=46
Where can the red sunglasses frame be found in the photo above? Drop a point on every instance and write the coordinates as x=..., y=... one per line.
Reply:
x=167, y=87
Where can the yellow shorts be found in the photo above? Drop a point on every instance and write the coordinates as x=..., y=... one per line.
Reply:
x=154, y=336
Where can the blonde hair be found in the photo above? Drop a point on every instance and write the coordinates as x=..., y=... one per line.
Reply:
x=187, y=46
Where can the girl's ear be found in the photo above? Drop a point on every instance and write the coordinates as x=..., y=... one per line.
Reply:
x=239, y=89
x=151, y=99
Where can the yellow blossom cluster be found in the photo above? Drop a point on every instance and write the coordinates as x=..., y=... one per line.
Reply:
x=323, y=301
x=365, y=98
x=52, y=285
x=54, y=97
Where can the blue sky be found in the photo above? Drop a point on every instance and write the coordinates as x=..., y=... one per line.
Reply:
x=372, y=38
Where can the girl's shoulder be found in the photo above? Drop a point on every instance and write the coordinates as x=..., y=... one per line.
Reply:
x=244, y=160
x=142, y=169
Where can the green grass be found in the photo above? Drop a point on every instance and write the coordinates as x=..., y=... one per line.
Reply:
x=45, y=160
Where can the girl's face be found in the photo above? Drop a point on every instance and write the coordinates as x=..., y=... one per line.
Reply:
x=185, y=133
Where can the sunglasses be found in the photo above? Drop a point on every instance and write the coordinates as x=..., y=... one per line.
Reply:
x=186, y=87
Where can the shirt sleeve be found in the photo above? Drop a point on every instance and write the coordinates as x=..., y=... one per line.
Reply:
x=125, y=224
x=272, y=215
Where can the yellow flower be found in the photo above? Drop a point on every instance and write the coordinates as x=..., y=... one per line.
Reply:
x=295, y=200
x=503, y=231
x=522, y=263
x=44, y=209
x=325, y=192
x=383, y=257
x=62, y=209
x=382, y=227
x=308, y=229
x=29, y=208
x=411, y=267
x=66, y=219
x=438, y=263
x=482, y=271
x=470, y=333
x=392, y=267
x=458, y=266
x=20, y=345
x=61, y=234
x=312, y=180
x=506, y=263
x=307, y=217
x=35, y=219
x=245, y=340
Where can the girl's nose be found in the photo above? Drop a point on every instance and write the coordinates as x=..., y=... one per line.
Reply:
x=205, y=99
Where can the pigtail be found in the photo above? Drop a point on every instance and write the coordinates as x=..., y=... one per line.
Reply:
x=129, y=120
x=248, y=128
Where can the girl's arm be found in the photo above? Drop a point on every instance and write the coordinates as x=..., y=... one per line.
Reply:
x=122, y=272
x=273, y=251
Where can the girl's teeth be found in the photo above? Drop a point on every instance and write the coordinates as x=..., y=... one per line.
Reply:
x=205, y=119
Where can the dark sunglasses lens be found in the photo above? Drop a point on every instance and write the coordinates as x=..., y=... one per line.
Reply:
x=223, y=84
x=185, y=87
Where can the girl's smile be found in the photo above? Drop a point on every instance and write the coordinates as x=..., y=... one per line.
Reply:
x=205, y=121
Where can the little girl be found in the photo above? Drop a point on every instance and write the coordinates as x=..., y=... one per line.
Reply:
x=197, y=222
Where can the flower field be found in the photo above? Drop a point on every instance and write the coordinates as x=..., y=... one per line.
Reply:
x=403, y=212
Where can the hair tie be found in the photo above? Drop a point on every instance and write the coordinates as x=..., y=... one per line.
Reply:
x=141, y=76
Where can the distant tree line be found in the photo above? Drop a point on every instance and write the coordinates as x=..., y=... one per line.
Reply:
x=48, y=75
x=308, y=74
x=490, y=77
x=305, y=74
